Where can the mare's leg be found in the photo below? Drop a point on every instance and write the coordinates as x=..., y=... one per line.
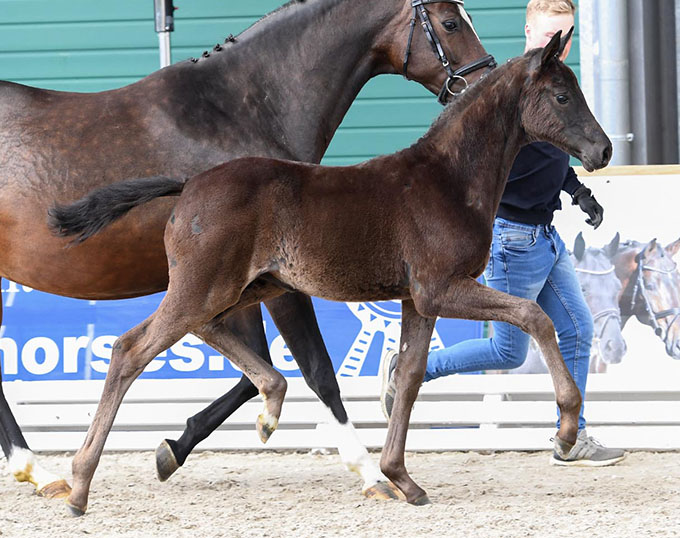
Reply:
x=416, y=332
x=468, y=299
x=21, y=461
x=294, y=316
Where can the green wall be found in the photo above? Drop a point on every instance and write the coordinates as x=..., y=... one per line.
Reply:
x=90, y=45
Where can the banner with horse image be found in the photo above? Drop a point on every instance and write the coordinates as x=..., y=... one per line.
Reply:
x=627, y=269
x=36, y=344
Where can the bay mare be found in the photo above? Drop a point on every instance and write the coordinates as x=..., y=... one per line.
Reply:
x=286, y=225
x=279, y=90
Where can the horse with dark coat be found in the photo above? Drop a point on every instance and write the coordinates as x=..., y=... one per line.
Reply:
x=280, y=90
x=252, y=229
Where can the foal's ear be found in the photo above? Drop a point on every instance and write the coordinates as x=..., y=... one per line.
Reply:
x=579, y=246
x=564, y=41
x=552, y=49
x=612, y=248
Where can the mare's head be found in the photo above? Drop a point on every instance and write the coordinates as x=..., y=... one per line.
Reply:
x=434, y=43
x=553, y=108
x=601, y=289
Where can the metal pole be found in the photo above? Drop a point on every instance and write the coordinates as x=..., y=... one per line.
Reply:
x=165, y=23
x=614, y=95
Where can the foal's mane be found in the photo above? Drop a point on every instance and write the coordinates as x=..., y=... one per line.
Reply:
x=455, y=108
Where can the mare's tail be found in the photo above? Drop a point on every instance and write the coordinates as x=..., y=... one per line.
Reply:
x=103, y=206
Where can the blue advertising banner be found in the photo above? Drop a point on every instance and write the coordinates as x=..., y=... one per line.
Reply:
x=46, y=337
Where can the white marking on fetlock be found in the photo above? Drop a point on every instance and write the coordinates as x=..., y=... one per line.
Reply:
x=355, y=456
x=269, y=420
x=25, y=468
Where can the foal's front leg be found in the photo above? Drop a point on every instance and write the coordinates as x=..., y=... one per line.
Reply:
x=416, y=332
x=468, y=299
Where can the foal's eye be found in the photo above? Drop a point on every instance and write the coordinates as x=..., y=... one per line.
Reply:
x=562, y=99
x=450, y=25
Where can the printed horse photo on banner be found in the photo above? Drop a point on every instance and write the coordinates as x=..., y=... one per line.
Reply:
x=279, y=89
x=620, y=281
x=291, y=226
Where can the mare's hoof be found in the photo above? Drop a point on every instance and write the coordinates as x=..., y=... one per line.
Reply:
x=265, y=427
x=74, y=510
x=166, y=463
x=384, y=491
x=55, y=490
x=421, y=501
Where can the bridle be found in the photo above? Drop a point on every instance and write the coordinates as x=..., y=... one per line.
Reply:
x=607, y=314
x=639, y=288
x=419, y=12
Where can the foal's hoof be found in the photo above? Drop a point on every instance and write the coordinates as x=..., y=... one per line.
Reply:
x=75, y=510
x=421, y=501
x=55, y=490
x=166, y=462
x=384, y=491
x=266, y=425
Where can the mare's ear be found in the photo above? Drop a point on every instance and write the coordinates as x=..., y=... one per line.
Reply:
x=612, y=248
x=579, y=246
x=564, y=41
x=552, y=49
x=673, y=248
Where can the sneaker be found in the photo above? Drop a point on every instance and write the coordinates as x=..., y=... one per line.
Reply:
x=388, y=364
x=588, y=452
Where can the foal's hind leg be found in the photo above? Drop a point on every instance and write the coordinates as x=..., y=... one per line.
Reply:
x=188, y=304
x=21, y=461
x=416, y=332
x=468, y=299
x=170, y=455
x=270, y=383
x=294, y=316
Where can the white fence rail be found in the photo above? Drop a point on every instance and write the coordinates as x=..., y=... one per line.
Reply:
x=484, y=412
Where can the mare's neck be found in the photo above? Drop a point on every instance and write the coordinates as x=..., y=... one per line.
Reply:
x=301, y=68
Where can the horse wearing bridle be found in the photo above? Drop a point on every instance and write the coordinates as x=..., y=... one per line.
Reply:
x=650, y=289
x=280, y=89
x=256, y=228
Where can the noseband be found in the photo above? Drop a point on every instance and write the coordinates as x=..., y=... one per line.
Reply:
x=420, y=12
x=639, y=287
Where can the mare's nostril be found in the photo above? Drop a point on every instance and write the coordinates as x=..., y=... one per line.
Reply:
x=607, y=154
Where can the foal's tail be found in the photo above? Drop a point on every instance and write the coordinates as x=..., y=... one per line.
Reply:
x=103, y=206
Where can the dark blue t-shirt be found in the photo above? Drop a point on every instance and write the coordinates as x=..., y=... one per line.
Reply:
x=532, y=194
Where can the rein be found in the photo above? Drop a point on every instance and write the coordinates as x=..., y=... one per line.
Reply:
x=419, y=12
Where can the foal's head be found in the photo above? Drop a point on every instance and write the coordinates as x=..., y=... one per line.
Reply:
x=554, y=109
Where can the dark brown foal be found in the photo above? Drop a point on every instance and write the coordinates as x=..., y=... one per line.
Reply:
x=266, y=226
x=280, y=89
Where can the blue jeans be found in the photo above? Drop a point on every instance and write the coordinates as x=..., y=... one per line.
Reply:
x=532, y=262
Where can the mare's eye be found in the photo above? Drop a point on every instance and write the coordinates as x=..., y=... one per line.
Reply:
x=562, y=99
x=450, y=25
